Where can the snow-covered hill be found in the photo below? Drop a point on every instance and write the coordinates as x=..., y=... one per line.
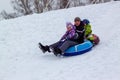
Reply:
x=21, y=59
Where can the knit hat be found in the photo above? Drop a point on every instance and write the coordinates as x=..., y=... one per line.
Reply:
x=86, y=21
x=70, y=24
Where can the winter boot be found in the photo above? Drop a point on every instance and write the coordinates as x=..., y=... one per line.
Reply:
x=57, y=51
x=44, y=48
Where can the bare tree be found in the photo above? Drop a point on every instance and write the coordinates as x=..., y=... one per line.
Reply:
x=96, y=1
x=22, y=6
x=43, y=5
x=47, y=5
x=37, y=6
x=26, y=7
x=5, y=15
x=64, y=4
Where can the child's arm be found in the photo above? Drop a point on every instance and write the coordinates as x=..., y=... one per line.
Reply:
x=71, y=34
x=64, y=36
x=88, y=30
x=68, y=35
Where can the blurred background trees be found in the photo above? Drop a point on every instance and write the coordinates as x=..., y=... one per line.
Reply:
x=27, y=7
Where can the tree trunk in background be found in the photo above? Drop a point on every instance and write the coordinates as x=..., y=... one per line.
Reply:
x=64, y=4
x=26, y=6
x=37, y=6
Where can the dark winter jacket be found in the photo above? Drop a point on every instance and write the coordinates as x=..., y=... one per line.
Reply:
x=80, y=30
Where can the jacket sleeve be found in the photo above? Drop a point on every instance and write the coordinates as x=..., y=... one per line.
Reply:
x=88, y=30
x=71, y=34
x=68, y=35
x=64, y=36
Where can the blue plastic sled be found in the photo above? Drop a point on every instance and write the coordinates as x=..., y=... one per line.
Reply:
x=79, y=49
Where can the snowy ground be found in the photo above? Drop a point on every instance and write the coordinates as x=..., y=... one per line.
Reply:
x=21, y=59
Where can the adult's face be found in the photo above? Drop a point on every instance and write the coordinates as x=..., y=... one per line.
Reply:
x=77, y=23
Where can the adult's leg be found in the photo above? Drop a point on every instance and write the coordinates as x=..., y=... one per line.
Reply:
x=54, y=48
x=66, y=45
x=55, y=45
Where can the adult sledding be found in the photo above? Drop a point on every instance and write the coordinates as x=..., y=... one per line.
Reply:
x=76, y=34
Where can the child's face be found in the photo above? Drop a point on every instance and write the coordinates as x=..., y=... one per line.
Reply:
x=69, y=27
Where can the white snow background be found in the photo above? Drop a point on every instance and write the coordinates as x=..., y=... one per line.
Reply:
x=21, y=59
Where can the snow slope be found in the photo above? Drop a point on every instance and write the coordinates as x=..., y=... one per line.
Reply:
x=21, y=59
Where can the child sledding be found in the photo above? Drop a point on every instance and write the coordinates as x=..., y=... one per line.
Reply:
x=76, y=34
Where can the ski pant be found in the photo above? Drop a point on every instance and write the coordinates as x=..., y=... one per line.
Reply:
x=63, y=46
